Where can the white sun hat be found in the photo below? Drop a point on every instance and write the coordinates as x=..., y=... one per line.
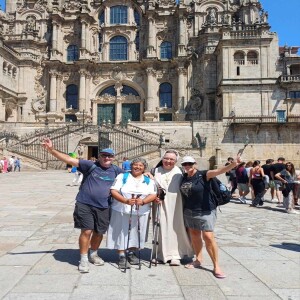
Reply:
x=188, y=159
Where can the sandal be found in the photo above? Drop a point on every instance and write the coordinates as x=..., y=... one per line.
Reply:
x=159, y=262
x=219, y=275
x=193, y=265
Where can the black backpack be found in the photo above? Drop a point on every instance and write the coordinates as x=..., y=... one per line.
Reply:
x=219, y=192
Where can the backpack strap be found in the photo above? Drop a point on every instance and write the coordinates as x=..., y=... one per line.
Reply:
x=126, y=174
x=87, y=174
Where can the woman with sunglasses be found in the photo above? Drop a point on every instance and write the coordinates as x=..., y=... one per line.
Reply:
x=173, y=243
x=200, y=210
x=288, y=177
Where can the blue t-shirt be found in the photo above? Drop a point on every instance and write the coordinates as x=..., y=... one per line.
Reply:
x=96, y=188
x=126, y=165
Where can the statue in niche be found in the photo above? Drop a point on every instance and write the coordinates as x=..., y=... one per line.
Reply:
x=194, y=106
x=30, y=24
x=212, y=16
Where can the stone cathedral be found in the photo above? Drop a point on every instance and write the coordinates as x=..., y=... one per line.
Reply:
x=159, y=64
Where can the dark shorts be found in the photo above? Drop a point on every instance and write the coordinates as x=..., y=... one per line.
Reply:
x=91, y=218
x=204, y=220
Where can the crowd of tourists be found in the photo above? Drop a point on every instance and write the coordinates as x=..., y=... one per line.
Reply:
x=11, y=164
x=255, y=179
x=118, y=202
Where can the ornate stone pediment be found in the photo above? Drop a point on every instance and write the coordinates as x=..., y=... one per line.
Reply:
x=72, y=6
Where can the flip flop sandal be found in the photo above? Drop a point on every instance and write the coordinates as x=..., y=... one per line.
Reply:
x=193, y=265
x=219, y=275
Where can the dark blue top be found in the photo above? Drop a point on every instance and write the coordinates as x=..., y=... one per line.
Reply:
x=126, y=165
x=95, y=191
x=195, y=192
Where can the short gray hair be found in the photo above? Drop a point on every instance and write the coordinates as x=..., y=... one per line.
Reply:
x=173, y=152
x=141, y=160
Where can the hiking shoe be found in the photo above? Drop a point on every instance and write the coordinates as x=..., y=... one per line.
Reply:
x=261, y=203
x=133, y=260
x=96, y=260
x=122, y=263
x=293, y=211
x=83, y=266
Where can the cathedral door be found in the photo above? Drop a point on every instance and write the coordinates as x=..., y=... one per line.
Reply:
x=130, y=112
x=106, y=112
x=165, y=117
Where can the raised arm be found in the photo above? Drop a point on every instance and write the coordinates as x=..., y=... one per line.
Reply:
x=213, y=173
x=48, y=146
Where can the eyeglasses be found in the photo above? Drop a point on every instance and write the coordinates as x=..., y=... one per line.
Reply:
x=106, y=155
x=288, y=165
x=187, y=164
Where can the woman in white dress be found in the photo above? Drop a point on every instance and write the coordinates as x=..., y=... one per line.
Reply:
x=132, y=192
x=173, y=243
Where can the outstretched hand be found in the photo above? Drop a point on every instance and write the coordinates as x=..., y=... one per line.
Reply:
x=47, y=144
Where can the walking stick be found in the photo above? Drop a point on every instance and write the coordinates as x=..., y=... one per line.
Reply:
x=139, y=230
x=155, y=235
x=129, y=230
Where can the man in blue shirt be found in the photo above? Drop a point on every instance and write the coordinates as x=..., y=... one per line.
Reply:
x=91, y=213
x=126, y=165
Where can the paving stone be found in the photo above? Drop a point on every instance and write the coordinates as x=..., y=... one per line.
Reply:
x=37, y=296
x=288, y=294
x=9, y=277
x=101, y=292
x=199, y=293
x=47, y=283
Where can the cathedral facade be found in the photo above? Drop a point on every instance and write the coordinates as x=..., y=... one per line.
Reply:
x=145, y=61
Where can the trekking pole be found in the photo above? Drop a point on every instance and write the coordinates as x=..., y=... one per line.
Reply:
x=155, y=235
x=129, y=230
x=139, y=230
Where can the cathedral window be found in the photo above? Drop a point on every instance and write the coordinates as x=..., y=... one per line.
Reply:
x=239, y=58
x=137, y=19
x=118, y=48
x=137, y=41
x=72, y=96
x=72, y=53
x=119, y=14
x=166, y=50
x=100, y=42
x=102, y=18
x=165, y=95
x=252, y=58
x=295, y=94
x=126, y=90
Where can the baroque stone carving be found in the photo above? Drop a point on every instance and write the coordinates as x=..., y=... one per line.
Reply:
x=194, y=106
x=117, y=74
x=38, y=87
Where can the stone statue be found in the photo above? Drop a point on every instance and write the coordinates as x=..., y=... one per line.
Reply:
x=30, y=25
x=212, y=16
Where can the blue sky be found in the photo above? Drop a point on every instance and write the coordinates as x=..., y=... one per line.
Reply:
x=283, y=18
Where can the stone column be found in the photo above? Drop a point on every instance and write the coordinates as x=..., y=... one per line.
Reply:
x=2, y=109
x=54, y=35
x=53, y=88
x=181, y=45
x=181, y=92
x=150, y=114
x=151, y=39
x=82, y=88
x=83, y=35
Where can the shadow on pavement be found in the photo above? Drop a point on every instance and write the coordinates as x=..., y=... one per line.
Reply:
x=288, y=246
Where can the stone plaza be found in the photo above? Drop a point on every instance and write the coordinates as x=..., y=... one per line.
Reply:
x=259, y=251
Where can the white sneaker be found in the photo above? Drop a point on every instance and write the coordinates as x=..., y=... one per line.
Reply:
x=274, y=200
x=96, y=260
x=293, y=211
x=83, y=266
x=175, y=262
x=244, y=199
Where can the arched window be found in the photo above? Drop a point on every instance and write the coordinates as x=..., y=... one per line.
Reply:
x=137, y=18
x=252, y=58
x=165, y=95
x=239, y=58
x=100, y=42
x=72, y=53
x=102, y=18
x=137, y=41
x=126, y=90
x=119, y=14
x=118, y=48
x=166, y=50
x=72, y=96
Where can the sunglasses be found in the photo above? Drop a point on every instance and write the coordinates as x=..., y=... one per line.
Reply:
x=187, y=164
x=107, y=155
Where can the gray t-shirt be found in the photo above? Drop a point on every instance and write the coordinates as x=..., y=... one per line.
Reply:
x=95, y=191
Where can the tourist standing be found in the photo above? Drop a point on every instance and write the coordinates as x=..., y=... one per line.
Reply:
x=174, y=242
x=92, y=208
